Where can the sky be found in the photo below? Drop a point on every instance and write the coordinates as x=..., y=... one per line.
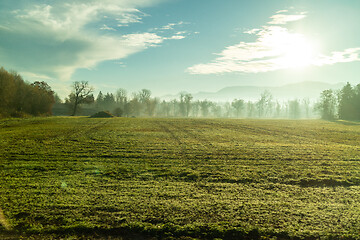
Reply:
x=169, y=46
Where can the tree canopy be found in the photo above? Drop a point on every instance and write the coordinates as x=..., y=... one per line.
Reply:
x=18, y=98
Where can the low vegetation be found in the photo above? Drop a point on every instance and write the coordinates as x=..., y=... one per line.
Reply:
x=179, y=178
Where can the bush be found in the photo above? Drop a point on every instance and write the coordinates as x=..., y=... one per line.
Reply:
x=102, y=114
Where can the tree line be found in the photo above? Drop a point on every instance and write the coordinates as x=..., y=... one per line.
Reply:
x=143, y=104
x=19, y=98
x=340, y=104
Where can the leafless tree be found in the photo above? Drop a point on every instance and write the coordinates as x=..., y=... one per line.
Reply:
x=82, y=93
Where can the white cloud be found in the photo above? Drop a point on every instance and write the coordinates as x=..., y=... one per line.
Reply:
x=34, y=76
x=280, y=19
x=142, y=40
x=171, y=26
x=348, y=55
x=55, y=40
x=133, y=16
x=252, y=31
x=106, y=27
x=275, y=48
x=282, y=11
x=178, y=37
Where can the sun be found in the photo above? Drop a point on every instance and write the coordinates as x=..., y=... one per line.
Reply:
x=290, y=50
x=296, y=52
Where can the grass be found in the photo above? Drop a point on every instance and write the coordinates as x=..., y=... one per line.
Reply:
x=131, y=178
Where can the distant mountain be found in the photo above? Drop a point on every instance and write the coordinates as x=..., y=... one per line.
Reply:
x=310, y=90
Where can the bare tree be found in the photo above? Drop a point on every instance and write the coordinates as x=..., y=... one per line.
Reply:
x=195, y=108
x=185, y=104
x=306, y=103
x=135, y=106
x=151, y=106
x=121, y=97
x=145, y=100
x=187, y=99
x=144, y=95
x=264, y=104
x=182, y=109
x=277, y=109
x=82, y=93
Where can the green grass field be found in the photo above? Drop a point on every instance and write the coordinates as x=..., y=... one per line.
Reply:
x=179, y=178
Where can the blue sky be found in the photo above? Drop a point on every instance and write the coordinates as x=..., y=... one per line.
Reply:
x=169, y=46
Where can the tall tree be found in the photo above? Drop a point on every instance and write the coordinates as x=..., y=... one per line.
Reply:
x=121, y=100
x=151, y=106
x=144, y=98
x=82, y=93
x=121, y=97
x=42, y=98
x=216, y=110
x=250, y=109
x=264, y=104
x=182, y=104
x=238, y=105
x=294, y=109
x=100, y=100
x=347, y=103
x=164, y=109
x=144, y=95
x=204, y=106
x=277, y=109
x=109, y=101
x=327, y=105
x=134, y=107
x=196, y=108
x=185, y=104
x=57, y=99
x=8, y=90
x=227, y=109
x=187, y=99
x=357, y=102
x=306, y=104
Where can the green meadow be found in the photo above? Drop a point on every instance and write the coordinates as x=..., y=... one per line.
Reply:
x=153, y=178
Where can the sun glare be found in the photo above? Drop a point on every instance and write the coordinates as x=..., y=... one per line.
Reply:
x=296, y=52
